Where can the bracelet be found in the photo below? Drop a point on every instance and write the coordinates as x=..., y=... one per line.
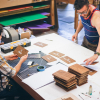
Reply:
x=97, y=53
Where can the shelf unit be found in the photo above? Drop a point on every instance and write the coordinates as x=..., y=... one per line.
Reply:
x=29, y=10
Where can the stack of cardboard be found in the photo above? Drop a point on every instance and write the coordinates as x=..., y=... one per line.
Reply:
x=65, y=80
x=80, y=72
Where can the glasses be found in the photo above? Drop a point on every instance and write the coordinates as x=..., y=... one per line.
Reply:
x=84, y=12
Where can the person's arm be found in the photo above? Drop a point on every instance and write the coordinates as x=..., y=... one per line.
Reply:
x=79, y=28
x=13, y=57
x=97, y=25
x=95, y=22
x=18, y=66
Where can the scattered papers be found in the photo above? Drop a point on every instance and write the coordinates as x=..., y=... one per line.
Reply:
x=49, y=58
x=67, y=59
x=56, y=54
x=40, y=44
x=84, y=63
x=94, y=67
x=42, y=78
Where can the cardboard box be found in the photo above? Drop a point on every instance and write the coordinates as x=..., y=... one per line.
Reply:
x=11, y=3
x=25, y=35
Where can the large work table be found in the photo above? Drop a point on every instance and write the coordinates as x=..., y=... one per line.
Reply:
x=69, y=48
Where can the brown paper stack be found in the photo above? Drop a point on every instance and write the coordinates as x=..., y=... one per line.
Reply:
x=65, y=80
x=80, y=72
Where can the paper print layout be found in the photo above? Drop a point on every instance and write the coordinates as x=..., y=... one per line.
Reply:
x=49, y=58
x=67, y=59
x=56, y=54
x=40, y=44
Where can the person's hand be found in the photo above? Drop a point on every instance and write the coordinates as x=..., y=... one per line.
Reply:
x=11, y=57
x=90, y=60
x=23, y=58
x=74, y=37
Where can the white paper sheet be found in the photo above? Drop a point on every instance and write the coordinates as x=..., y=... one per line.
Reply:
x=33, y=50
x=53, y=63
x=94, y=67
x=42, y=78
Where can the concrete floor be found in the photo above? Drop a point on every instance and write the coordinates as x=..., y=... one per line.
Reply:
x=66, y=14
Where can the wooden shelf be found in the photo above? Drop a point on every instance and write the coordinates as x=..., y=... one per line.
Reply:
x=11, y=20
x=23, y=11
x=11, y=15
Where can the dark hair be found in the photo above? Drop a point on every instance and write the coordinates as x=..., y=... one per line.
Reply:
x=80, y=3
x=1, y=29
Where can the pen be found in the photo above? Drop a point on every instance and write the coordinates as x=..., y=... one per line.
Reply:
x=80, y=97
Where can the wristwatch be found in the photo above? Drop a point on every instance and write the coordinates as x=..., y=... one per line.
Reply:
x=97, y=53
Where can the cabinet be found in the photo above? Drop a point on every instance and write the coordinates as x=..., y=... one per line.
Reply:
x=22, y=11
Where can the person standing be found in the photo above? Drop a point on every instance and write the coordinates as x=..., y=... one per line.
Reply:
x=90, y=21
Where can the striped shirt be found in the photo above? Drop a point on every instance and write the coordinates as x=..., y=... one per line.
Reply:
x=5, y=69
x=91, y=33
